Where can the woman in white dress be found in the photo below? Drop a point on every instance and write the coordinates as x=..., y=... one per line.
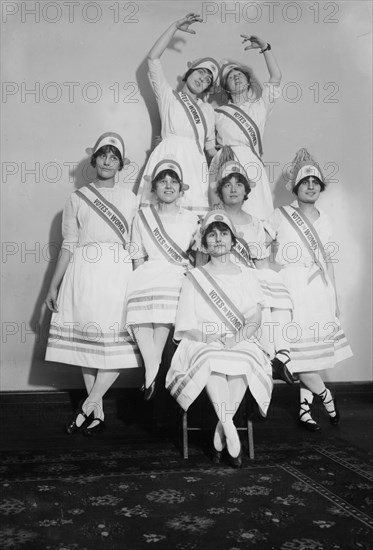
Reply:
x=253, y=250
x=187, y=121
x=304, y=254
x=240, y=123
x=87, y=326
x=218, y=316
x=161, y=236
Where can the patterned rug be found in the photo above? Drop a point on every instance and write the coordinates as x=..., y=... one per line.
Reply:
x=316, y=497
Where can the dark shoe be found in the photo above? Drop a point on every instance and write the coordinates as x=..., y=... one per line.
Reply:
x=334, y=420
x=217, y=456
x=281, y=372
x=309, y=426
x=96, y=428
x=235, y=461
x=151, y=391
x=71, y=426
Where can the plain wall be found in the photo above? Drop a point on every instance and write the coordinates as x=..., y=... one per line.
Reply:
x=72, y=72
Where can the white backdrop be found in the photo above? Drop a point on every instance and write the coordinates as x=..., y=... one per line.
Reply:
x=72, y=70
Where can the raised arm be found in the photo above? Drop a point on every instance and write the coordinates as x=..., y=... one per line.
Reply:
x=181, y=25
x=258, y=43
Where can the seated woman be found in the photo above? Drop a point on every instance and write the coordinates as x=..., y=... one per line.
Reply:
x=253, y=250
x=161, y=235
x=218, y=315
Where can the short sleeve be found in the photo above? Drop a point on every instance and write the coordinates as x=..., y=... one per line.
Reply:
x=70, y=224
x=136, y=239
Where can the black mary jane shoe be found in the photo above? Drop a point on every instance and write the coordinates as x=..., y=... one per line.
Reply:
x=71, y=427
x=96, y=428
x=281, y=372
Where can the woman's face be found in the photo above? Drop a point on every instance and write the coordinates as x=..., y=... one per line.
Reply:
x=237, y=81
x=233, y=192
x=309, y=190
x=219, y=242
x=199, y=80
x=107, y=165
x=167, y=189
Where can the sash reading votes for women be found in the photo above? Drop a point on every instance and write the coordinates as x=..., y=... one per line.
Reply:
x=241, y=251
x=308, y=234
x=195, y=117
x=170, y=250
x=224, y=308
x=246, y=125
x=106, y=210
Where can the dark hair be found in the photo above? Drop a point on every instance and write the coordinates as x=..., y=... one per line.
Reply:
x=162, y=175
x=103, y=151
x=240, y=179
x=221, y=226
x=189, y=72
x=322, y=184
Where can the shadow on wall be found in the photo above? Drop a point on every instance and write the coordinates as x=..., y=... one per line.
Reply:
x=46, y=373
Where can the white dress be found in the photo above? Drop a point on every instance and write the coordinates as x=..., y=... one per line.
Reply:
x=89, y=328
x=154, y=287
x=260, y=203
x=316, y=338
x=274, y=289
x=194, y=361
x=179, y=142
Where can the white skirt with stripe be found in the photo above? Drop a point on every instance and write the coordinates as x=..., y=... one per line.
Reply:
x=153, y=293
x=316, y=338
x=89, y=328
x=194, y=362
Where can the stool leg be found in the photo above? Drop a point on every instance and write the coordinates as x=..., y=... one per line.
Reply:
x=250, y=438
x=185, y=435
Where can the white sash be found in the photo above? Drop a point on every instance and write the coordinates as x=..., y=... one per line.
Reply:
x=247, y=126
x=106, y=210
x=195, y=117
x=170, y=250
x=241, y=251
x=224, y=308
x=309, y=236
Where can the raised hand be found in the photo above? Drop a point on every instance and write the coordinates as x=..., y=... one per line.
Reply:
x=184, y=23
x=254, y=42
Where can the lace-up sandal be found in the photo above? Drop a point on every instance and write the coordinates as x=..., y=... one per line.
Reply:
x=330, y=404
x=305, y=419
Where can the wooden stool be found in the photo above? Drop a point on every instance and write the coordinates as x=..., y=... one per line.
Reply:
x=245, y=410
